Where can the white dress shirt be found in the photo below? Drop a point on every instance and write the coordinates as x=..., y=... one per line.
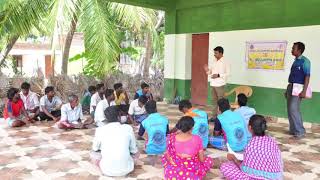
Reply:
x=135, y=109
x=95, y=99
x=116, y=142
x=221, y=67
x=71, y=115
x=31, y=101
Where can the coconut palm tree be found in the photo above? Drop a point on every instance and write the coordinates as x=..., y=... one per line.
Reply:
x=101, y=22
x=17, y=19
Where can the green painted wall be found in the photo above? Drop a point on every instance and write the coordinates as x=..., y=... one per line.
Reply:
x=177, y=87
x=154, y=4
x=194, y=16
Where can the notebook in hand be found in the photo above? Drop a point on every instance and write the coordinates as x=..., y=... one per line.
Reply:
x=297, y=89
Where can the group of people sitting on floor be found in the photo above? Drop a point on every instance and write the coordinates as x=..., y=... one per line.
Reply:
x=252, y=154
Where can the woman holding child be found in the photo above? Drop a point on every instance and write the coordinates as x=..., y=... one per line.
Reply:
x=185, y=157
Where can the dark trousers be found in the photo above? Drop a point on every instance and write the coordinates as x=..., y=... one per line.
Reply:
x=294, y=115
x=43, y=115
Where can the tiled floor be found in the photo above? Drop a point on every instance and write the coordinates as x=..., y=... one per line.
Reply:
x=43, y=152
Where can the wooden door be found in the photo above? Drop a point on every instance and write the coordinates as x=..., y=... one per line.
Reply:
x=48, y=66
x=199, y=79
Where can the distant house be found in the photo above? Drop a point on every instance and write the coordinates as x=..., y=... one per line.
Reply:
x=34, y=58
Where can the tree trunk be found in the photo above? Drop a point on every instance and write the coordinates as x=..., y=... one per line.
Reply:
x=67, y=44
x=148, y=56
x=8, y=48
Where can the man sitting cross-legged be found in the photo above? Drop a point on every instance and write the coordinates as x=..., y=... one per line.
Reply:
x=117, y=144
x=157, y=127
x=201, y=126
x=137, y=112
x=30, y=101
x=50, y=105
x=233, y=126
x=71, y=115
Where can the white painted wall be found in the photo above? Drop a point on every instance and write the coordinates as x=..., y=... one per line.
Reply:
x=178, y=56
x=169, y=55
x=234, y=44
x=31, y=64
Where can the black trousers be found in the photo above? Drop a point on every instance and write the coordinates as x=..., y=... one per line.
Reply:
x=43, y=115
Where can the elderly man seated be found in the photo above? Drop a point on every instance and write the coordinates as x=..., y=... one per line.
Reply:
x=71, y=115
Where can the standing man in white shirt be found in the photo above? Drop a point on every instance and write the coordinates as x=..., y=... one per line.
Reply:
x=71, y=115
x=117, y=144
x=30, y=101
x=218, y=72
x=96, y=98
x=99, y=115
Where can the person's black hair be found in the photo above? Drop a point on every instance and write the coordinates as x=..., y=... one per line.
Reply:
x=223, y=104
x=108, y=92
x=48, y=89
x=92, y=88
x=185, y=124
x=151, y=107
x=185, y=104
x=219, y=49
x=11, y=92
x=25, y=86
x=99, y=86
x=300, y=46
x=143, y=99
x=144, y=85
x=242, y=99
x=117, y=86
x=258, y=124
x=112, y=114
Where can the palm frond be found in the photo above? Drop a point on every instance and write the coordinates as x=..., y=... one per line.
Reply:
x=21, y=16
x=101, y=36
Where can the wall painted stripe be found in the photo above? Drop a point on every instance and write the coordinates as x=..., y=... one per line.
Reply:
x=177, y=87
x=191, y=16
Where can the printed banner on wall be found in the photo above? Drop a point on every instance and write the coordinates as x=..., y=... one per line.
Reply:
x=266, y=55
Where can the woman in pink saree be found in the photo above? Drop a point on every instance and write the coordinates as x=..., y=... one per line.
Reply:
x=261, y=158
x=184, y=158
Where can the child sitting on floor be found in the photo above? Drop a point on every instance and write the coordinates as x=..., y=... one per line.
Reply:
x=14, y=110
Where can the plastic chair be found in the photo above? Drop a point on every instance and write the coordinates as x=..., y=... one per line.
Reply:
x=246, y=90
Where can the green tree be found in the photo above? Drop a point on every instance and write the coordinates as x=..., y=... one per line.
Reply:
x=102, y=23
